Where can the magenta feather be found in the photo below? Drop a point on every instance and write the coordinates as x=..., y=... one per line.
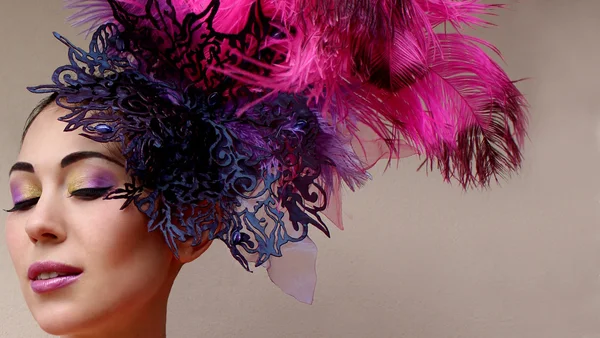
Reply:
x=439, y=93
x=458, y=13
x=476, y=110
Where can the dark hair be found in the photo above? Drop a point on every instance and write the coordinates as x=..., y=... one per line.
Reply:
x=36, y=111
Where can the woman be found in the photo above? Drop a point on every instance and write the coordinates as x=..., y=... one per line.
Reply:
x=235, y=121
x=112, y=271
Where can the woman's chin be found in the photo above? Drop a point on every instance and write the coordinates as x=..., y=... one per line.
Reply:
x=57, y=327
x=59, y=320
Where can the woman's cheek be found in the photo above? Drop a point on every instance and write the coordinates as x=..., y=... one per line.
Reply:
x=16, y=242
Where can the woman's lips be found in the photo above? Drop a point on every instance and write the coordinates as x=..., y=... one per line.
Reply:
x=48, y=285
x=50, y=276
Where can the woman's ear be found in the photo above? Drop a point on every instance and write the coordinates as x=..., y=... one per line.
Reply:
x=188, y=252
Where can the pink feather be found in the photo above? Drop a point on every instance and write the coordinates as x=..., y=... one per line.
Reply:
x=458, y=13
x=439, y=93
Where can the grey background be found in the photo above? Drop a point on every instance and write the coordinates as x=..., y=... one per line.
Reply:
x=418, y=258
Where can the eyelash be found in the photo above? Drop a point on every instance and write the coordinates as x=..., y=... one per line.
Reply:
x=86, y=194
x=24, y=205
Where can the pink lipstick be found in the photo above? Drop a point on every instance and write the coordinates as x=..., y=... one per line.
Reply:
x=50, y=276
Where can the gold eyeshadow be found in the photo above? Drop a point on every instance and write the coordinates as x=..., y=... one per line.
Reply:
x=24, y=191
x=85, y=179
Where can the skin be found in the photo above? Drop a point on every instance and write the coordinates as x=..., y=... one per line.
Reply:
x=127, y=271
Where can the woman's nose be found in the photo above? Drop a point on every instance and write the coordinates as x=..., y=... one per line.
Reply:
x=45, y=224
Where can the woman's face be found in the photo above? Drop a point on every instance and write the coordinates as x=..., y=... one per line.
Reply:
x=109, y=267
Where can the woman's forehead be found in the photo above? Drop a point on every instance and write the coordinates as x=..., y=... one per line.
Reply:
x=46, y=138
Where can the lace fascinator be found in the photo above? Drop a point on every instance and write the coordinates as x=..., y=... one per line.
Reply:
x=243, y=119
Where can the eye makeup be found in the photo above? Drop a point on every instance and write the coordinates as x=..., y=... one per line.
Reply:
x=90, y=179
x=23, y=191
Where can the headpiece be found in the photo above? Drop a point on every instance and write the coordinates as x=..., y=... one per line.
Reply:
x=243, y=119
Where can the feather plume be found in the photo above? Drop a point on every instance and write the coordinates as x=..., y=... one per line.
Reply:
x=439, y=93
x=89, y=13
x=376, y=63
x=458, y=13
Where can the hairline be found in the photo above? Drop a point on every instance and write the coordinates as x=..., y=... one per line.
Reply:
x=47, y=102
x=43, y=104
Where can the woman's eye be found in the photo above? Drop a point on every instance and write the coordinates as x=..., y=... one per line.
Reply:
x=86, y=194
x=90, y=193
x=24, y=205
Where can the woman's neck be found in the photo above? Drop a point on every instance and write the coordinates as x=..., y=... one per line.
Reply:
x=145, y=329
x=149, y=321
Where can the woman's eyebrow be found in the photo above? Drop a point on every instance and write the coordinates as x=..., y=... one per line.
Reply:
x=82, y=155
x=22, y=166
x=66, y=161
